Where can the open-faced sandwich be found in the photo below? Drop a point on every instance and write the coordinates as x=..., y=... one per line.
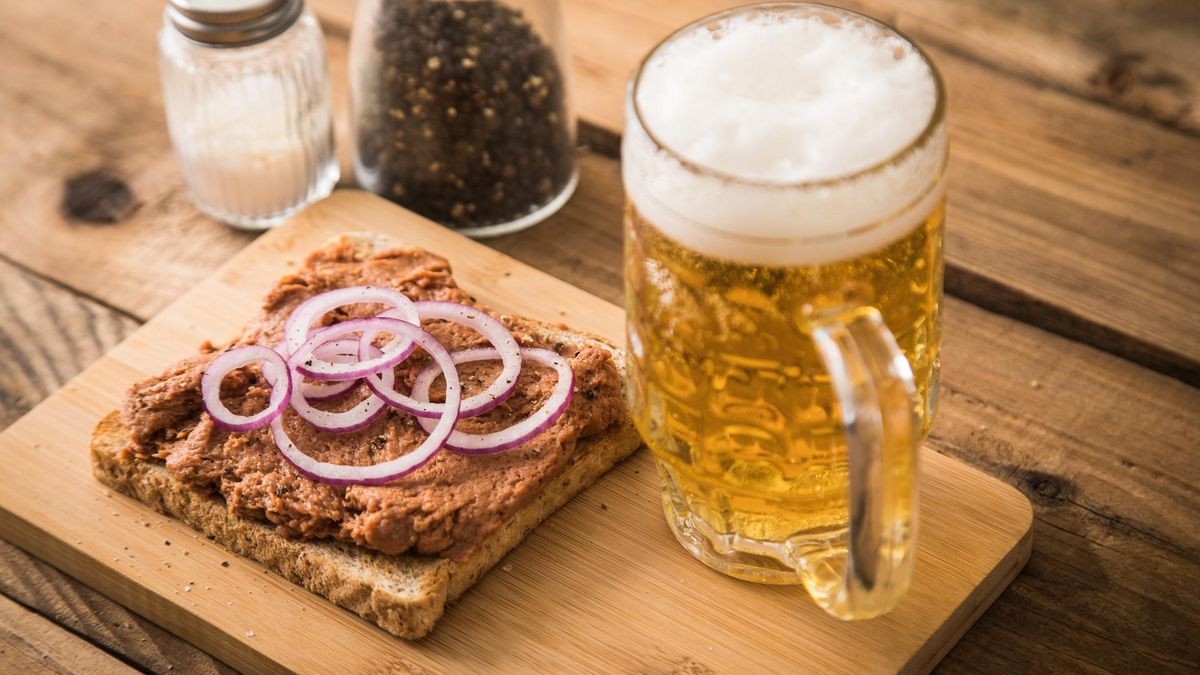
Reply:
x=373, y=434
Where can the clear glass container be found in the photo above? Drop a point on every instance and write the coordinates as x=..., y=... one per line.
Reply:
x=461, y=110
x=249, y=108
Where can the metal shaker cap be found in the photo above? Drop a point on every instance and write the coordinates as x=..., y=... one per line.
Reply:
x=232, y=23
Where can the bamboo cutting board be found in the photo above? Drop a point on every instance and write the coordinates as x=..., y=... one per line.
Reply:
x=602, y=585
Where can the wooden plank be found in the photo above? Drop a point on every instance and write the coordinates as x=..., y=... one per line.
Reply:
x=1106, y=452
x=96, y=107
x=581, y=243
x=103, y=622
x=48, y=335
x=30, y=643
x=1104, y=449
x=1138, y=57
x=13, y=660
x=1076, y=219
x=642, y=604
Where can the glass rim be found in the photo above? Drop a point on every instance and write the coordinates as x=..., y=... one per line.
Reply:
x=936, y=117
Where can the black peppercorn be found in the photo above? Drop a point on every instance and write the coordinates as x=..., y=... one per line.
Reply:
x=462, y=117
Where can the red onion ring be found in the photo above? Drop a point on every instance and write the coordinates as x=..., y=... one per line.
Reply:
x=385, y=472
x=541, y=419
x=296, y=329
x=304, y=362
x=503, y=342
x=214, y=374
x=340, y=351
x=344, y=422
x=338, y=361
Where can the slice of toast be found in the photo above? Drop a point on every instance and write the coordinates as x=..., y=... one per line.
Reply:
x=404, y=594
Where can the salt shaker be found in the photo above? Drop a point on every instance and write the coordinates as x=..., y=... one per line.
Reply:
x=249, y=108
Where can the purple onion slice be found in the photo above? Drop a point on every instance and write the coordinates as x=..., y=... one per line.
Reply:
x=385, y=472
x=353, y=419
x=339, y=351
x=273, y=366
x=306, y=363
x=503, y=344
x=505, y=439
x=297, y=329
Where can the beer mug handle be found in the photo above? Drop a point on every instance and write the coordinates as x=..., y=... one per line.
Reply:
x=874, y=385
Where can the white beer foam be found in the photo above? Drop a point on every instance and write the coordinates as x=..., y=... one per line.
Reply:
x=783, y=98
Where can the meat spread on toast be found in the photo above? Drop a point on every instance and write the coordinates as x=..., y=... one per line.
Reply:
x=446, y=507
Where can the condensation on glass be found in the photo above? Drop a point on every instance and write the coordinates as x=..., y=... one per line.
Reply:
x=249, y=108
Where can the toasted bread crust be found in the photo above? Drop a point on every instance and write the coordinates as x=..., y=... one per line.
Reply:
x=347, y=575
x=403, y=594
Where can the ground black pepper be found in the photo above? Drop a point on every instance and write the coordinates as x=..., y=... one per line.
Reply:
x=463, y=118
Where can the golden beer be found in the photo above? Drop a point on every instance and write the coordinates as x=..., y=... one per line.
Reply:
x=726, y=386
x=727, y=381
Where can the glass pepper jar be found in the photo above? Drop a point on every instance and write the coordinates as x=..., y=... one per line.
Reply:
x=249, y=108
x=461, y=110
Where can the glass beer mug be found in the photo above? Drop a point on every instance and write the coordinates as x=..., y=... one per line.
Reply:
x=783, y=169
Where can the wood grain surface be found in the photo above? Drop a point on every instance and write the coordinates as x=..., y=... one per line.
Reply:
x=610, y=581
x=32, y=644
x=1138, y=56
x=48, y=334
x=79, y=93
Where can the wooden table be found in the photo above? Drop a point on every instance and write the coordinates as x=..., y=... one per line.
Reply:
x=1072, y=348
